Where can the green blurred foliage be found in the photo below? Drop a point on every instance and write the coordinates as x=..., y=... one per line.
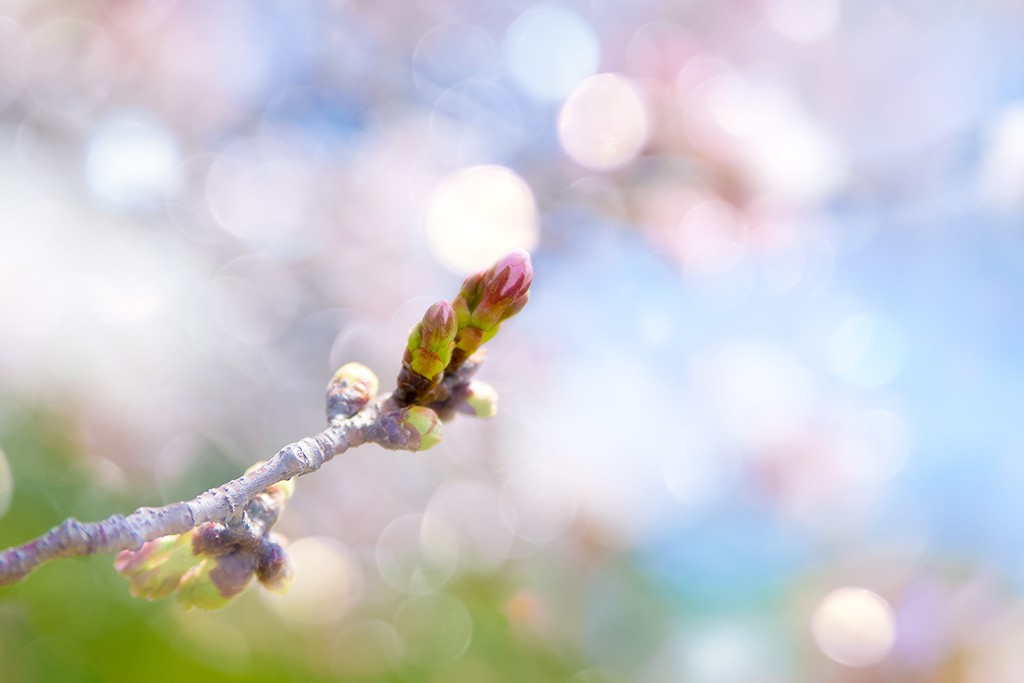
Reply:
x=73, y=620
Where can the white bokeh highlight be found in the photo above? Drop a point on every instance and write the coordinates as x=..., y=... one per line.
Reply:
x=477, y=215
x=132, y=161
x=549, y=50
x=854, y=626
x=604, y=123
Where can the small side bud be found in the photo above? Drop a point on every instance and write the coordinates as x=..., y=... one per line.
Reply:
x=350, y=389
x=274, y=567
x=415, y=428
x=427, y=426
x=477, y=399
x=216, y=580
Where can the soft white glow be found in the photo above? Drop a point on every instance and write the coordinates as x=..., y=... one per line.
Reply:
x=695, y=470
x=794, y=157
x=874, y=445
x=479, y=214
x=1002, y=166
x=132, y=161
x=136, y=277
x=782, y=149
x=536, y=504
x=271, y=205
x=803, y=21
x=726, y=653
x=761, y=394
x=549, y=50
x=854, y=627
x=603, y=124
x=866, y=350
x=327, y=583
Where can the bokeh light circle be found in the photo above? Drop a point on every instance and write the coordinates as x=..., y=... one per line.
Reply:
x=433, y=630
x=328, y=583
x=417, y=553
x=604, y=123
x=549, y=50
x=854, y=626
x=478, y=214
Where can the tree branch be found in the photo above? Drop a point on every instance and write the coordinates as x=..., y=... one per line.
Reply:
x=442, y=355
x=223, y=504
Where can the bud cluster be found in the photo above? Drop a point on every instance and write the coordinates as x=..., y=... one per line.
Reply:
x=211, y=564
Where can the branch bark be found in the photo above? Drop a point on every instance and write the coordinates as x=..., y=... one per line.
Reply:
x=223, y=504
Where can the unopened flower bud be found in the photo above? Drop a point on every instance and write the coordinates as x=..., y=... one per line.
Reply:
x=274, y=567
x=432, y=340
x=155, y=570
x=490, y=297
x=216, y=580
x=477, y=399
x=506, y=289
x=350, y=389
x=415, y=428
x=427, y=354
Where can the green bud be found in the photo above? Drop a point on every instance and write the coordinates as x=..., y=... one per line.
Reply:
x=477, y=399
x=432, y=340
x=427, y=426
x=350, y=389
x=415, y=428
x=435, y=335
x=427, y=354
x=469, y=297
x=155, y=570
x=216, y=580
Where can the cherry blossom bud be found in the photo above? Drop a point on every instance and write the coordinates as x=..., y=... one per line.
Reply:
x=274, y=567
x=155, y=570
x=350, y=389
x=216, y=580
x=415, y=428
x=477, y=399
x=432, y=340
x=490, y=297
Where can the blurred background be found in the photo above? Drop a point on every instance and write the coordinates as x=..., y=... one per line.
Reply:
x=756, y=424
